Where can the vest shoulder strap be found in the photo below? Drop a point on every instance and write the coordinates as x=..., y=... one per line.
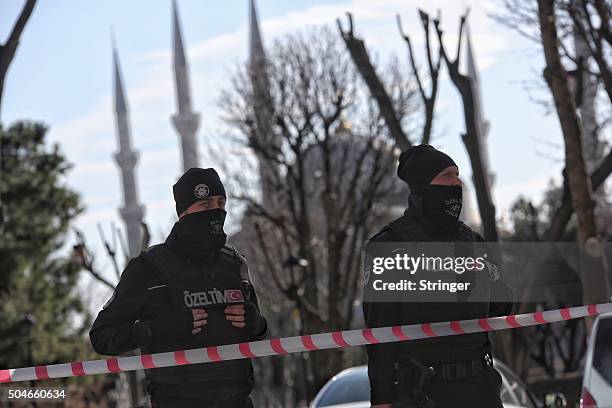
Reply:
x=468, y=235
x=162, y=262
x=231, y=259
x=407, y=229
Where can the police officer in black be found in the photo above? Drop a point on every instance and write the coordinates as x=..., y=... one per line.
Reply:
x=191, y=291
x=443, y=372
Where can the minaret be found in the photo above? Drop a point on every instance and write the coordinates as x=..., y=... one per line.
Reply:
x=469, y=215
x=482, y=124
x=132, y=212
x=262, y=103
x=186, y=122
x=257, y=68
x=256, y=50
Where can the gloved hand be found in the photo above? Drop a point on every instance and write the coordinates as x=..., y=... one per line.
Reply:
x=170, y=326
x=501, y=303
x=255, y=323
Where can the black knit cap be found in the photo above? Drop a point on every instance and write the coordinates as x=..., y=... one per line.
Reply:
x=195, y=185
x=418, y=165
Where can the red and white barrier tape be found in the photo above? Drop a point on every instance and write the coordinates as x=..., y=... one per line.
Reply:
x=286, y=345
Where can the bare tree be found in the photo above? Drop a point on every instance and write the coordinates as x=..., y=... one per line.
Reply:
x=583, y=48
x=537, y=344
x=335, y=161
x=584, y=15
x=583, y=28
x=565, y=210
x=8, y=49
x=593, y=268
x=367, y=70
x=471, y=138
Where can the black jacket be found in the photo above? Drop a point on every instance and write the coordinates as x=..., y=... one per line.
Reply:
x=412, y=227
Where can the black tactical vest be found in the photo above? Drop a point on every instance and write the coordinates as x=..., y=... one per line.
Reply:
x=212, y=286
x=463, y=347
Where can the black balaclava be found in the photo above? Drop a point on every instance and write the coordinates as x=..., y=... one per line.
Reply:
x=201, y=232
x=440, y=205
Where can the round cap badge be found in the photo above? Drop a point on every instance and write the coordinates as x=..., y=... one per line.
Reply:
x=201, y=191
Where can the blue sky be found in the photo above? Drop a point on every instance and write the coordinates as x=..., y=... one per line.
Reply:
x=62, y=75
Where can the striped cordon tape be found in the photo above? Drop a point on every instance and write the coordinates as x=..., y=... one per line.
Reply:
x=287, y=345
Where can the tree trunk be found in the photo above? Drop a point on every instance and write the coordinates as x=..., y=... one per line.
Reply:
x=471, y=138
x=359, y=54
x=565, y=210
x=593, y=266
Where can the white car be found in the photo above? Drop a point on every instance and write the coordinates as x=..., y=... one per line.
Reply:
x=351, y=389
x=597, y=379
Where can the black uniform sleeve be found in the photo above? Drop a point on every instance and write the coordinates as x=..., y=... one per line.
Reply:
x=261, y=329
x=261, y=333
x=113, y=331
x=381, y=357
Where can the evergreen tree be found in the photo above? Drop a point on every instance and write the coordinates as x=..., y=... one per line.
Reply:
x=39, y=302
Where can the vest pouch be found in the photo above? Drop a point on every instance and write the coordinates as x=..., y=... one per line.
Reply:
x=158, y=301
x=218, y=372
x=222, y=371
x=165, y=375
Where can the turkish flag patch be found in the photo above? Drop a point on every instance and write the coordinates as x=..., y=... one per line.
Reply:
x=234, y=295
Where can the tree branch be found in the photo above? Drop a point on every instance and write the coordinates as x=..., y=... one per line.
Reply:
x=85, y=258
x=564, y=212
x=362, y=61
x=472, y=137
x=8, y=49
x=434, y=69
